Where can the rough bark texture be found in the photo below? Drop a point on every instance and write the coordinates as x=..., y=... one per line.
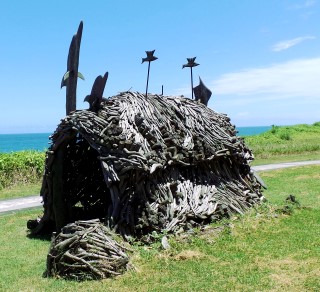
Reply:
x=161, y=163
x=85, y=250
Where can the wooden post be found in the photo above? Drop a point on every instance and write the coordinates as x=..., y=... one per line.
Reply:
x=60, y=208
x=70, y=78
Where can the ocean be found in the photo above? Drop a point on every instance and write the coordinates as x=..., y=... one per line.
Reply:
x=40, y=141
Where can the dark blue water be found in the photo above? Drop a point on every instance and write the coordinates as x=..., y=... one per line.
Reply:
x=40, y=141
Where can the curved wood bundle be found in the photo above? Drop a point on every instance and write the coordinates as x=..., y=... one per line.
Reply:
x=85, y=250
x=146, y=164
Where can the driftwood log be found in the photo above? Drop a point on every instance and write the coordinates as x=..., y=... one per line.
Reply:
x=161, y=163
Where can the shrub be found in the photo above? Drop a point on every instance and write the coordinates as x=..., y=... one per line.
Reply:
x=21, y=167
x=285, y=136
x=274, y=129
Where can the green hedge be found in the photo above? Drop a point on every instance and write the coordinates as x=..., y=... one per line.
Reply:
x=21, y=167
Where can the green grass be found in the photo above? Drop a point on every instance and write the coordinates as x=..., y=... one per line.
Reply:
x=291, y=143
x=262, y=250
x=20, y=190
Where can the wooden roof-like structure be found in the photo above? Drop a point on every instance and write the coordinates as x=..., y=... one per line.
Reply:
x=143, y=164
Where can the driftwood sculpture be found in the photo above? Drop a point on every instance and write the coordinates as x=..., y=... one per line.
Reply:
x=139, y=164
x=161, y=163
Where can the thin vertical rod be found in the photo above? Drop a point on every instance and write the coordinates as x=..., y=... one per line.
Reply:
x=191, y=83
x=148, y=79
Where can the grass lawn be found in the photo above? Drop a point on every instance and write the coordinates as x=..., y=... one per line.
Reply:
x=262, y=250
x=20, y=190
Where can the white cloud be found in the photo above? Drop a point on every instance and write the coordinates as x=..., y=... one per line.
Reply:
x=296, y=78
x=284, y=45
x=282, y=94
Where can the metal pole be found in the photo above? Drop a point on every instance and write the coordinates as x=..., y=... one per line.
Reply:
x=150, y=58
x=148, y=79
x=191, y=83
x=191, y=63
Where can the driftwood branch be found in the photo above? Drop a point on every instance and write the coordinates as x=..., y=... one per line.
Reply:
x=86, y=250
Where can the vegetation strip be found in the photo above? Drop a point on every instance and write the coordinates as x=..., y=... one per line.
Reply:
x=282, y=143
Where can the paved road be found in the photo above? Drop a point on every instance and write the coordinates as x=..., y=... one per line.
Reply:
x=35, y=201
x=284, y=165
x=20, y=203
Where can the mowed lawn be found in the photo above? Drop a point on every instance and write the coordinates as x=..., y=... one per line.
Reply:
x=267, y=249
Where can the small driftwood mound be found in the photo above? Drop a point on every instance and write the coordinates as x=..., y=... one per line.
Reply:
x=85, y=250
x=143, y=164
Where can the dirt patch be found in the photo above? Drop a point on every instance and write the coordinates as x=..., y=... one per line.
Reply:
x=188, y=255
x=304, y=176
x=290, y=274
x=268, y=174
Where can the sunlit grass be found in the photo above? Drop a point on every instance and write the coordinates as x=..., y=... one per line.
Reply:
x=262, y=250
x=20, y=190
x=292, y=143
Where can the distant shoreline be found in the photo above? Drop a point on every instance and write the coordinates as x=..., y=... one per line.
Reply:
x=48, y=133
x=40, y=141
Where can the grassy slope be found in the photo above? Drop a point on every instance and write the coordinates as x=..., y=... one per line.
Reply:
x=292, y=143
x=263, y=250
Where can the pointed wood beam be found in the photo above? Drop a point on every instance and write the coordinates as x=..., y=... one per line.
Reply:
x=95, y=98
x=202, y=93
x=70, y=78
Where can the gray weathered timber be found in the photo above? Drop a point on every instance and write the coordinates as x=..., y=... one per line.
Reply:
x=86, y=250
x=165, y=163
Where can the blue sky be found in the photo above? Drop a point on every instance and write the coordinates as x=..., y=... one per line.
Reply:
x=261, y=59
